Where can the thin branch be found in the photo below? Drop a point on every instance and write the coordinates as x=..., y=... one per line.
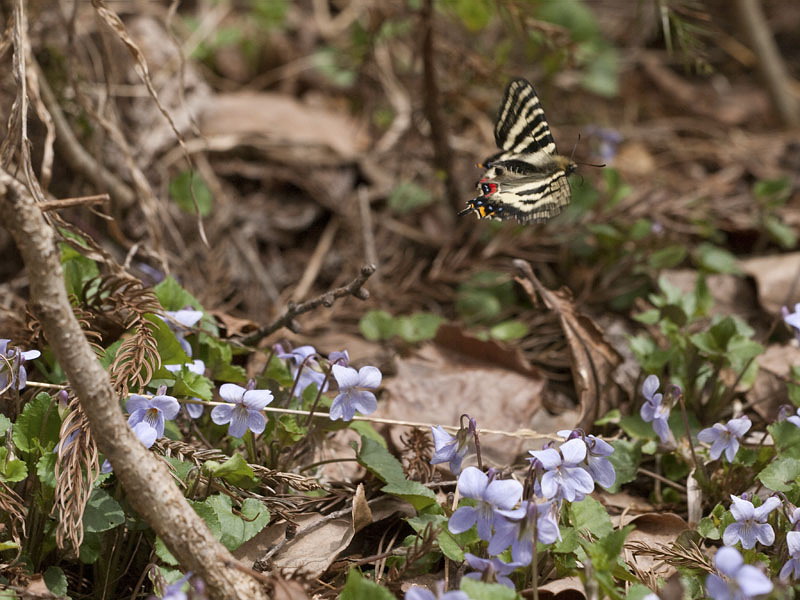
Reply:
x=354, y=288
x=441, y=147
x=70, y=202
x=148, y=485
x=770, y=63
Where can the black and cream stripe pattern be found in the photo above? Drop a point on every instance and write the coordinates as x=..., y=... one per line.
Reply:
x=527, y=179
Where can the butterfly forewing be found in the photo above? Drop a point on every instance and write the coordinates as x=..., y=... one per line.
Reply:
x=521, y=126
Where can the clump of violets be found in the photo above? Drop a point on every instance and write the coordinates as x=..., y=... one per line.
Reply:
x=12, y=366
x=751, y=523
x=597, y=453
x=725, y=438
x=244, y=409
x=356, y=391
x=491, y=494
x=452, y=449
x=564, y=478
x=655, y=411
x=302, y=361
x=735, y=580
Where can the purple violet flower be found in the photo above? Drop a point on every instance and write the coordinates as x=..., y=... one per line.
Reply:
x=791, y=570
x=516, y=527
x=490, y=493
x=198, y=367
x=792, y=319
x=449, y=448
x=420, y=593
x=152, y=411
x=12, y=366
x=246, y=410
x=491, y=570
x=751, y=523
x=736, y=580
x=174, y=591
x=654, y=410
x=180, y=323
x=339, y=358
x=355, y=391
x=564, y=478
x=301, y=360
x=795, y=418
x=725, y=438
x=597, y=451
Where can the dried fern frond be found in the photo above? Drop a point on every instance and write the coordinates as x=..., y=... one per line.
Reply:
x=688, y=555
x=14, y=512
x=269, y=477
x=77, y=468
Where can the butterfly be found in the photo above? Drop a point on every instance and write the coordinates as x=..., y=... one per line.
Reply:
x=527, y=179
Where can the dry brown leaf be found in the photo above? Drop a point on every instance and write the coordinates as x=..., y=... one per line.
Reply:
x=234, y=326
x=282, y=123
x=287, y=589
x=777, y=278
x=656, y=530
x=769, y=390
x=37, y=588
x=566, y=588
x=593, y=359
x=362, y=515
x=437, y=386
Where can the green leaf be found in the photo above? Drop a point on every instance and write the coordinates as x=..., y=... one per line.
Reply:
x=781, y=475
x=446, y=541
x=779, y=188
x=412, y=492
x=667, y=258
x=408, y=196
x=509, y=330
x=626, y=458
x=377, y=325
x=78, y=270
x=236, y=530
x=192, y=385
x=474, y=14
x=11, y=471
x=169, y=348
x=102, y=512
x=589, y=515
x=779, y=231
x=163, y=553
x=218, y=357
x=478, y=590
x=173, y=297
x=715, y=259
x=38, y=426
x=55, y=580
x=787, y=439
x=360, y=588
x=235, y=471
x=418, y=327
x=568, y=542
x=46, y=469
x=90, y=548
x=5, y=424
x=377, y=459
x=181, y=187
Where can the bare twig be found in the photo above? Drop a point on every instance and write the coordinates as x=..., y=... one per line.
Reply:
x=441, y=147
x=315, y=262
x=770, y=63
x=70, y=202
x=354, y=288
x=147, y=482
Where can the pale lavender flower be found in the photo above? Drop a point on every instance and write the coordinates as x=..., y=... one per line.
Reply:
x=145, y=432
x=246, y=410
x=736, y=580
x=12, y=366
x=491, y=570
x=420, y=593
x=794, y=518
x=564, y=478
x=449, y=448
x=597, y=451
x=153, y=411
x=795, y=418
x=174, y=591
x=301, y=360
x=791, y=570
x=654, y=410
x=198, y=367
x=490, y=493
x=725, y=438
x=181, y=322
x=792, y=319
x=751, y=523
x=516, y=528
x=355, y=391
x=339, y=358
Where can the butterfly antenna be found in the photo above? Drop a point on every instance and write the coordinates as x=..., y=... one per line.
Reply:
x=572, y=156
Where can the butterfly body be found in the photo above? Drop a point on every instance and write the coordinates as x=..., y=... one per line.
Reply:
x=527, y=179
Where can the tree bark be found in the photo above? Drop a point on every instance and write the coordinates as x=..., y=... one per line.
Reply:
x=148, y=485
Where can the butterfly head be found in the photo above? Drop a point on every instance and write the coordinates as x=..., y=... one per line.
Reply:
x=484, y=207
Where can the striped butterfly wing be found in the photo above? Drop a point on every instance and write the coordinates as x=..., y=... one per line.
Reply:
x=521, y=127
x=530, y=199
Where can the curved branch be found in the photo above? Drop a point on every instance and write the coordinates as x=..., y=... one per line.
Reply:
x=147, y=483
